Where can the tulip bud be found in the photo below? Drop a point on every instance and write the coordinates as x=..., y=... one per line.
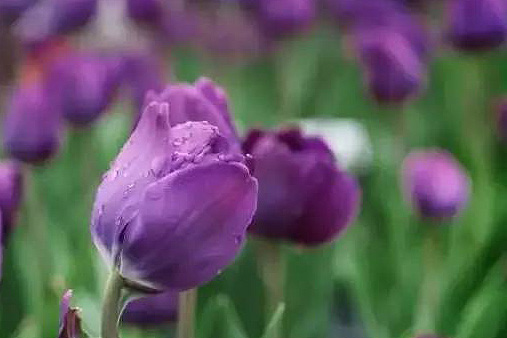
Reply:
x=476, y=25
x=32, y=123
x=282, y=17
x=152, y=310
x=70, y=321
x=394, y=68
x=145, y=11
x=85, y=85
x=10, y=194
x=172, y=211
x=435, y=183
x=303, y=196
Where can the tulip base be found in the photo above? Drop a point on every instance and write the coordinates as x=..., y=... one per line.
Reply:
x=186, y=314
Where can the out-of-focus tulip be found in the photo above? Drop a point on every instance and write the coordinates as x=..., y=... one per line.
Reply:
x=48, y=19
x=282, y=17
x=393, y=69
x=11, y=9
x=303, y=196
x=32, y=124
x=152, y=310
x=143, y=73
x=435, y=183
x=85, y=85
x=476, y=25
x=11, y=184
x=173, y=209
x=145, y=11
x=70, y=322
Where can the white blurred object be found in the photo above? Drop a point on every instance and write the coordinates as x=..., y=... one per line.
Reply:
x=347, y=138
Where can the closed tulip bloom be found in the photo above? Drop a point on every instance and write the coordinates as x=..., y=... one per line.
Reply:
x=282, y=17
x=173, y=209
x=85, y=85
x=10, y=194
x=435, y=183
x=394, y=68
x=145, y=11
x=70, y=321
x=304, y=197
x=32, y=124
x=151, y=310
x=476, y=25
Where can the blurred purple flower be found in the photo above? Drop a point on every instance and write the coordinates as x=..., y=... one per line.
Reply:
x=48, y=19
x=152, y=310
x=172, y=211
x=70, y=322
x=394, y=69
x=143, y=73
x=11, y=184
x=475, y=25
x=303, y=196
x=32, y=124
x=435, y=183
x=145, y=11
x=84, y=85
x=12, y=9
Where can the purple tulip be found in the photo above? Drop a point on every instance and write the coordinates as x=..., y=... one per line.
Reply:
x=202, y=101
x=173, y=209
x=282, y=17
x=152, y=310
x=85, y=85
x=32, y=123
x=12, y=9
x=145, y=11
x=435, y=183
x=394, y=70
x=51, y=18
x=70, y=322
x=476, y=25
x=11, y=183
x=143, y=73
x=303, y=196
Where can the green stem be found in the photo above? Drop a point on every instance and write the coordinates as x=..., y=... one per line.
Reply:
x=111, y=306
x=272, y=269
x=186, y=314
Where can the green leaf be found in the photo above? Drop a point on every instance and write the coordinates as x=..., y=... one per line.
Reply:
x=274, y=324
x=219, y=319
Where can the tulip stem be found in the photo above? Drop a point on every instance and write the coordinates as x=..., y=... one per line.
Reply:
x=111, y=306
x=186, y=314
x=272, y=268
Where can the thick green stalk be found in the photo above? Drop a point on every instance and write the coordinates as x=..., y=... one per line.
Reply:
x=186, y=314
x=111, y=306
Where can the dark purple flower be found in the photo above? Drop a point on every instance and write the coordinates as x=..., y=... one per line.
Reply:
x=435, y=183
x=152, y=310
x=32, y=124
x=394, y=70
x=10, y=194
x=202, y=101
x=143, y=73
x=303, y=196
x=70, y=322
x=172, y=211
x=145, y=11
x=12, y=9
x=476, y=25
x=282, y=17
x=85, y=85
x=50, y=18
